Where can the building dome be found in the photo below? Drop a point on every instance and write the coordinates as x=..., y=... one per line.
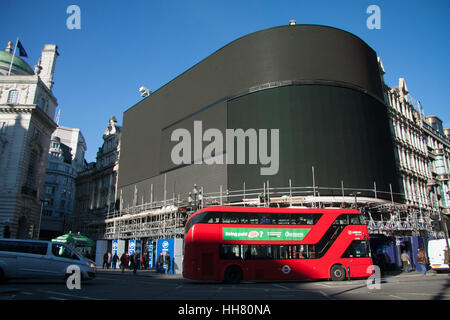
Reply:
x=19, y=67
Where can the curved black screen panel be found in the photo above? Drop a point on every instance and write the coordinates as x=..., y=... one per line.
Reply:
x=342, y=132
x=289, y=53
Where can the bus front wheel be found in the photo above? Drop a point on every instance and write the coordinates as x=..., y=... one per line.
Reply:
x=233, y=274
x=337, y=273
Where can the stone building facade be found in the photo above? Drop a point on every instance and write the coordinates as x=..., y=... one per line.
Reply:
x=422, y=152
x=27, y=109
x=65, y=160
x=96, y=186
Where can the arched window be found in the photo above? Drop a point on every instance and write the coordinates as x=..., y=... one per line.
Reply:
x=13, y=96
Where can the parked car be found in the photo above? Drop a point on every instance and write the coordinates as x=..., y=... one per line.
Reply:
x=20, y=259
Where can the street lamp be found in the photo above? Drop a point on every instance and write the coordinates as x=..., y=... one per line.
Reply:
x=43, y=201
x=356, y=200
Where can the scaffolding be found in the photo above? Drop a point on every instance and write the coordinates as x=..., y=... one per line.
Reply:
x=167, y=218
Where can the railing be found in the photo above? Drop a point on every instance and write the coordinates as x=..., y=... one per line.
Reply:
x=416, y=214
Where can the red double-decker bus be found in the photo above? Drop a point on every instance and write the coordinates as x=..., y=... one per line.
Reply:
x=249, y=243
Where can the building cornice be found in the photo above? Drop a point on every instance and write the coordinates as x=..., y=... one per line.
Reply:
x=33, y=79
x=31, y=109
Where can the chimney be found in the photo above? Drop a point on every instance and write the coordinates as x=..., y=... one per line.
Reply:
x=48, y=59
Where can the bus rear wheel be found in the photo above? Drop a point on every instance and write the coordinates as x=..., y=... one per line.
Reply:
x=337, y=273
x=233, y=274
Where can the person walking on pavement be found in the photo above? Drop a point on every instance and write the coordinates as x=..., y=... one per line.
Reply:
x=105, y=260
x=114, y=260
x=167, y=258
x=160, y=263
x=109, y=259
x=144, y=260
x=405, y=261
x=381, y=260
x=422, y=261
x=132, y=261
x=136, y=263
x=446, y=256
x=123, y=262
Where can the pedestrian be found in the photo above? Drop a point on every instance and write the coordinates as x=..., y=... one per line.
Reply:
x=132, y=261
x=109, y=259
x=114, y=260
x=123, y=262
x=160, y=263
x=446, y=256
x=105, y=260
x=136, y=263
x=167, y=258
x=144, y=260
x=381, y=260
x=422, y=261
x=405, y=261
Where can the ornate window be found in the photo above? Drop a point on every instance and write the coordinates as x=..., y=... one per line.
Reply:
x=13, y=96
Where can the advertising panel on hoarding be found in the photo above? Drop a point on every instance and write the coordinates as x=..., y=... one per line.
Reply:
x=115, y=247
x=135, y=247
x=115, y=251
x=131, y=246
x=165, y=246
x=150, y=253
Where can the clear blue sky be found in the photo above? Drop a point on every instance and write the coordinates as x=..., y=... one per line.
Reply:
x=123, y=45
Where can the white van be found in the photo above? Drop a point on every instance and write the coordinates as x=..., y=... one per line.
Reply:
x=40, y=259
x=436, y=255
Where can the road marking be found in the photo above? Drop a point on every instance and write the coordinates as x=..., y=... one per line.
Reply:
x=280, y=286
x=323, y=285
x=425, y=294
x=325, y=295
x=397, y=297
x=55, y=298
x=67, y=295
x=178, y=287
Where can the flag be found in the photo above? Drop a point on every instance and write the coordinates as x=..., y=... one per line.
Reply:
x=22, y=51
x=57, y=116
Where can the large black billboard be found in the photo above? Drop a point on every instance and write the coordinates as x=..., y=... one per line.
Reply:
x=319, y=86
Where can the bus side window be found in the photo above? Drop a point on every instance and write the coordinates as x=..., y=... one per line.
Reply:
x=252, y=218
x=283, y=252
x=246, y=251
x=300, y=219
x=231, y=218
x=357, y=249
x=284, y=218
x=341, y=220
x=264, y=219
x=212, y=217
x=244, y=218
x=311, y=252
x=354, y=219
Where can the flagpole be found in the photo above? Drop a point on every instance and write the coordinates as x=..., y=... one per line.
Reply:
x=12, y=59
